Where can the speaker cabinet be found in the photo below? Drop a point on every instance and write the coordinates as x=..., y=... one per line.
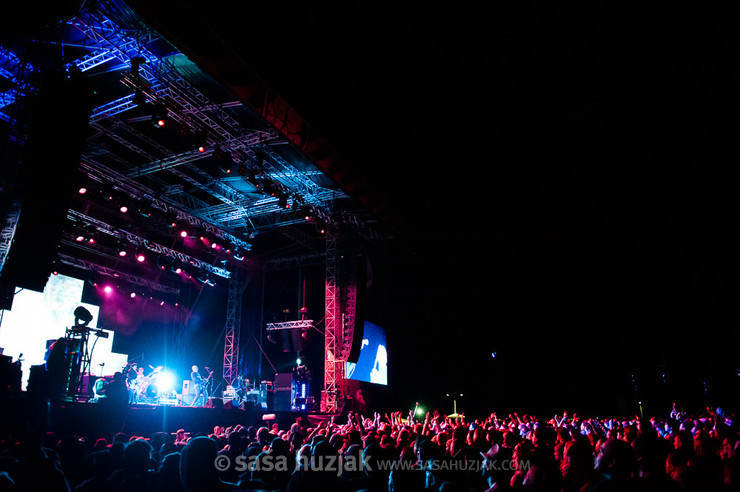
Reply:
x=214, y=403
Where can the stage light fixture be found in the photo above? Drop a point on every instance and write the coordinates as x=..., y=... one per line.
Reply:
x=198, y=139
x=82, y=190
x=108, y=289
x=166, y=382
x=159, y=117
x=123, y=209
x=252, y=178
x=271, y=339
x=82, y=315
x=170, y=218
x=144, y=210
x=225, y=161
x=107, y=191
x=136, y=62
x=80, y=238
x=132, y=295
x=183, y=233
x=140, y=258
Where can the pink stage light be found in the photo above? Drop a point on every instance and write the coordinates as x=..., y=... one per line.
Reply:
x=183, y=233
x=108, y=289
x=140, y=258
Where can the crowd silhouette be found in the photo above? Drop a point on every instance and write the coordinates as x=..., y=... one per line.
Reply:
x=396, y=452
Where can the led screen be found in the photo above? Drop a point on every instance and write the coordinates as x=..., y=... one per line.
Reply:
x=372, y=364
x=37, y=317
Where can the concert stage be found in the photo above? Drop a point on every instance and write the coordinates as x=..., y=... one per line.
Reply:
x=102, y=420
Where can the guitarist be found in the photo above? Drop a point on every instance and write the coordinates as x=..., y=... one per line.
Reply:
x=199, y=383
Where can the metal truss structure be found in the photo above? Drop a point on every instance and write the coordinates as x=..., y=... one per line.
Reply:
x=334, y=365
x=113, y=273
x=159, y=81
x=302, y=324
x=8, y=231
x=220, y=167
x=237, y=283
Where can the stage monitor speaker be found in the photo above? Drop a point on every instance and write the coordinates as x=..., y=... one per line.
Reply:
x=214, y=403
x=187, y=400
x=39, y=385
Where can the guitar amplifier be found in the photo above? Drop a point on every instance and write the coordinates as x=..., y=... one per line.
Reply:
x=186, y=387
x=229, y=393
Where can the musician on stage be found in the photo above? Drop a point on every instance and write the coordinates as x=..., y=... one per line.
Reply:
x=130, y=371
x=198, y=384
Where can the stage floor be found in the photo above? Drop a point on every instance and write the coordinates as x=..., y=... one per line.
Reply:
x=101, y=420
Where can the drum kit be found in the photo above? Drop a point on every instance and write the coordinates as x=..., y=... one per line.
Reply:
x=148, y=386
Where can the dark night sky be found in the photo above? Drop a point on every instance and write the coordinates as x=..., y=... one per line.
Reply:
x=568, y=175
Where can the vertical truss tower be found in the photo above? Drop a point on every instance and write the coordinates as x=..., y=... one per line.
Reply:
x=333, y=362
x=232, y=326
